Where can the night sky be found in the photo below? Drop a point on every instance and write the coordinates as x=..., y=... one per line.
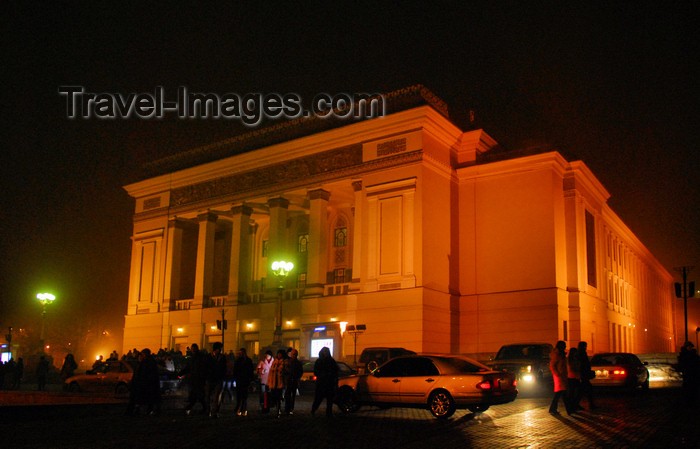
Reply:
x=614, y=85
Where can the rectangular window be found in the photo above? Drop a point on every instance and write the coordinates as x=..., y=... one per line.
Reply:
x=341, y=237
x=264, y=247
x=339, y=276
x=590, y=250
x=301, y=280
x=303, y=243
x=566, y=330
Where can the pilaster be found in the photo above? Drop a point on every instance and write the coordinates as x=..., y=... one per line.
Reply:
x=318, y=242
x=204, y=275
x=240, y=265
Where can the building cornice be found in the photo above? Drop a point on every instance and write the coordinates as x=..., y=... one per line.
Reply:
x=615, y=223
x=581, y=178
x=339, y=138
x=536, y=162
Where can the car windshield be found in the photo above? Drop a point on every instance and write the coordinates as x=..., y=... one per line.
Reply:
x=612, y=359
x=460, y=365
x=515, y=352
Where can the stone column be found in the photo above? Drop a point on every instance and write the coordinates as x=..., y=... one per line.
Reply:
x=204, y=275
x=357, y=234
x=173, y=263
x=239, y=268
x=317, y=263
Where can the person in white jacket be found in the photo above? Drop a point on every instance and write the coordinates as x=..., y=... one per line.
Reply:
x=263, y=370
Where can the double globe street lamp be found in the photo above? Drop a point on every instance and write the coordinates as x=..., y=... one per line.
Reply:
x=281, y=269
x=44, y=299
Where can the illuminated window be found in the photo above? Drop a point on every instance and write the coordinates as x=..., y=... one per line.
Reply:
x=341, y=236
x=303, y=243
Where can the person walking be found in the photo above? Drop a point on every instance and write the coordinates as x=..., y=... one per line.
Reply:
x=145, y=386
x=263, y=370
x=326, y=372
x=196, y=372
x=689, y=365
x=69, y=367
x=573, y=381
x=243, y=376
x=42, y=373
x=557, y=365
x=276, y=379
x=216, y=371
x=586, y=375
x=19, y=373
x=294, y=373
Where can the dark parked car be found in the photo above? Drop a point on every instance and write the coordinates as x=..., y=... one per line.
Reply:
x=619, y=369
x=308, y=379
x=439, y=382
x=529, y=362
x=371, y=358
x=114, y=376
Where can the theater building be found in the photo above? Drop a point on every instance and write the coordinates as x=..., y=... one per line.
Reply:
x=431, y=237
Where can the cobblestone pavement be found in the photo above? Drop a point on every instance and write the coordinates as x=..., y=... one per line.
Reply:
x=657, y=418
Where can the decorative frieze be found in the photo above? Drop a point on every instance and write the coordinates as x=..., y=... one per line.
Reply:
x=277, y=174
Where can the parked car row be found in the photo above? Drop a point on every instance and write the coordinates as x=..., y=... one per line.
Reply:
x=114, y=377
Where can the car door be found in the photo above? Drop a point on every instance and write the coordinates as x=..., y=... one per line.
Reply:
x=420, y=379
x=385, y=383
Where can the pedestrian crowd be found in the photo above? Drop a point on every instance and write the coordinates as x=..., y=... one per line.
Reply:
x=11, y=374
x=210, y=377
x=572, y=376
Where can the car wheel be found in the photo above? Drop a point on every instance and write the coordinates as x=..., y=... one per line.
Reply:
x=645, y=384
x=347, y=400
x=121, y=391
x=74, y=387
x=441, y=404
x=478, y=408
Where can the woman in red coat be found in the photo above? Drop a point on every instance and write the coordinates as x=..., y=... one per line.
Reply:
x=559, y=369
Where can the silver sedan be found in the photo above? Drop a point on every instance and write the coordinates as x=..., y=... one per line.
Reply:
x=439, y=382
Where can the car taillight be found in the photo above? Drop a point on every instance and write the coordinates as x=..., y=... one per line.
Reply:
x=619, y=372
x=313, y=377
x=484, y=385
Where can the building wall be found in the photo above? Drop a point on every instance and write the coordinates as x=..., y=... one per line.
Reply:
x=444, y=252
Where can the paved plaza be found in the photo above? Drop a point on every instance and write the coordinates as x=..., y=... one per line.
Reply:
x=657, y=418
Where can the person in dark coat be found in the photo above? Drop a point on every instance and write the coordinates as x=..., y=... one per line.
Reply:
x=42, y=373
x=689, y=365
x=145, y=385
x=69, y=367
x=586, y=375
x=196, y=372
x=294, y=372
x=243, y=376
x=19, y=373
x=326, y=372
x=216, y=371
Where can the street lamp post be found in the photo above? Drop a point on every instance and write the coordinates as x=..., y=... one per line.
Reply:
x=281, y=269
x=44, y=299
x=355, y=329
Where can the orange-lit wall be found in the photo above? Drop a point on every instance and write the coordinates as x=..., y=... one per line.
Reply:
x=448, y=252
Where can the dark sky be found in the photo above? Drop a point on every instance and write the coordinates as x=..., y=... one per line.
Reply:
x=614, y=85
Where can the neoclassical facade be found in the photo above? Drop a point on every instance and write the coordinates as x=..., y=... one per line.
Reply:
x=428, y=235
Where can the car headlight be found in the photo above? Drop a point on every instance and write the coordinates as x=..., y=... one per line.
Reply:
x=528, y=378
